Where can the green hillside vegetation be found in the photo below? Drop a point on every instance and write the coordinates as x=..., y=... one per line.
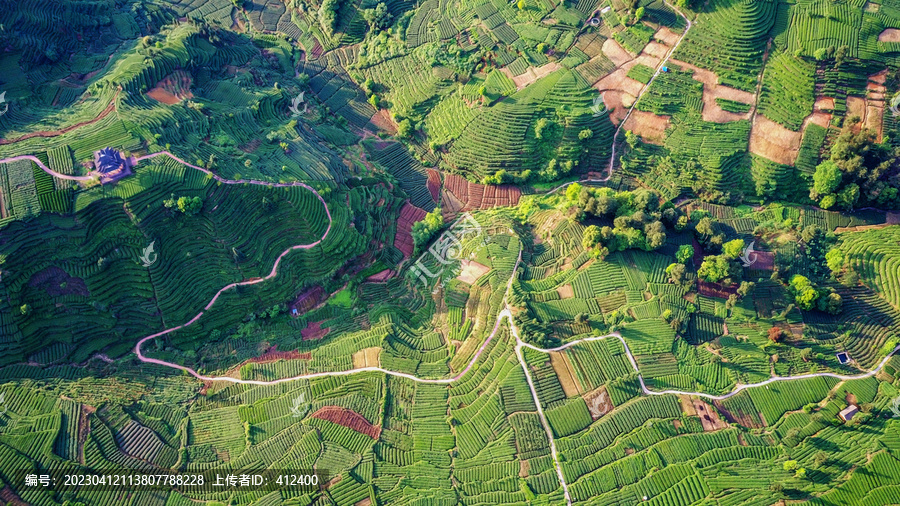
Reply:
x=388, y=242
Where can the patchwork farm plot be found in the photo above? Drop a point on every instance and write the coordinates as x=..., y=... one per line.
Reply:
x=468, y=253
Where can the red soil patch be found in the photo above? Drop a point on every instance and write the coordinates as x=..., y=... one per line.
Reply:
x=765, y=261
x=53, y=133
x=273, y=355
x=348, y=418
x=824, y=104
x=403, y=240
x=313, y=331
x=381, y=276
x=382, y=121
x=434, y=184
x=708, y=289
x=650, y=127
x=173, y=88
x=479, y=196
x=8, y=497
x=251, y=146
x=57, y=282
x=307, y=300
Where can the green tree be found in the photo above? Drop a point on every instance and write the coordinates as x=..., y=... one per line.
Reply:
x=826, y=179
x=684, y=254
x=585, y=134
x=717, y=268
x=423, y=231
x=190, y=205
x=572, y=192
x=638, y=14
x=378, y=18
x=590, y=237
x=733, y=249
x=631, y=139
x=521, y=5
x=328, y=15
x=805, y=293
x=676, y=272
x=404, y=128
x=24, y=309
x=790, y=465
x=848, y=196
x=835, y=260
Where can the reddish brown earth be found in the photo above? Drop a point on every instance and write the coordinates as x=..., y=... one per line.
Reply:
x=348, y=418
x=313, y=331
x=273, y=355
x=382, y=121
x=308, y=300
x=479, y=196
x=381, y=276
x=173, y=88
x=403, y=240
x=708, y=289
x=52, y=279
x=434, y=184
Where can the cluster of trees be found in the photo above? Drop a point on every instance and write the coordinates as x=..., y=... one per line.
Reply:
x=637, y=218
x=423, y=231
x=378, y=18
x=808, y=296
x=723, y=267
x=534, y=332
x=328, y=15
x=859, y=172
x=185, y=205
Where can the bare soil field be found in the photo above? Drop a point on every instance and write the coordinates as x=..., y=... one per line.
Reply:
x=403, y=241
x=471, y=271
x=667, y=36
x=824, y=104
x=173, y=88
x=564, y=371
x=650, y=127
x=532, y=74
x=479, y=196
x=616, y=53
x=889, y=35
x=598, y=402
x=434, y=184
x=709, y=417
x=566, y=292
x=348, y=418
x=367, y=357
x=773, y=141
x=313, y=331
x=713, y=90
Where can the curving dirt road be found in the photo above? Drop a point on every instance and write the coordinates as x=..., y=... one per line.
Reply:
x=662, y=63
